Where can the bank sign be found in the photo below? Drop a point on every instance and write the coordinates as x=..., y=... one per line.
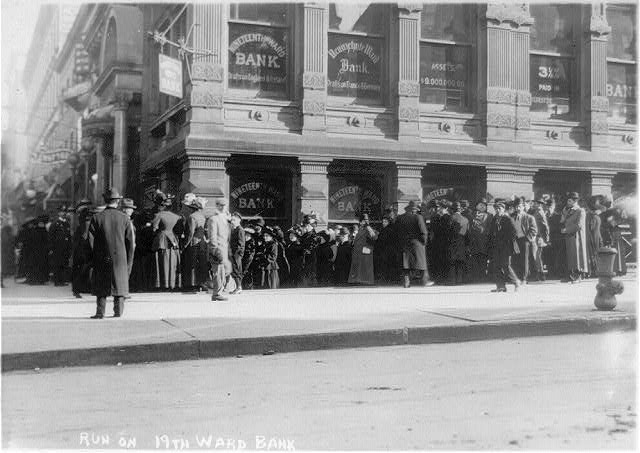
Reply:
x=354, y=66
x=550, y=84
x=348, y=199
x=252, y=197
x=258, y=58
x=444, y=72
x=621, y=90
x=170, y=76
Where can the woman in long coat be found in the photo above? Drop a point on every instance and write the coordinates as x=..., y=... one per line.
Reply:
x=362, y=271
x=575, y=238
x=195, y=270
x=165, y=245
x=612, y=237
x=594, y=237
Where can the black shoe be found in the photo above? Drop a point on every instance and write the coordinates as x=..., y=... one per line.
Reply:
x=97, y=316
x=77, y=295
x=116, y=315
x=499, y=290
x=218, y=297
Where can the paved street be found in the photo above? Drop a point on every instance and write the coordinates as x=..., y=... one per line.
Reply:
x=573, y=391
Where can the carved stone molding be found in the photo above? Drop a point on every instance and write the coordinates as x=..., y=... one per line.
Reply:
x=408, y=88
x=198, y=161
x=207, y=71
x=122, y=99
x=499, y=95
x=501, y=119
x=523, y=122
x=313, y=107
x=356, y=121
x=599, y=104
x=523, y=98
x=409, y=170
x=201, y=97
x=408, y=114
x=599, y=127
x=313, y=81
x=409, y=9
x=598, y=26
x=509, y=175
x=516, y=13
x=318, y=167
x=629, y=139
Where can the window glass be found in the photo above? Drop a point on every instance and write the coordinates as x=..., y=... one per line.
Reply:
x=551, y=85
x=553, y=28
x=447, y=22
x=621, y=91
x=274, y=13
x=349, y=196
x=355, y=66
x=444, y=75
x=357, y=17
x=622, y=40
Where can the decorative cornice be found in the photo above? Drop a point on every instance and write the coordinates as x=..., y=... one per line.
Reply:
x=406, y=170
x=201, y=161
x=313, y=107
x=318, y=167
x=599, y=104
x=313, y=81
x=408, y=88
x=499, y=95
x=408, y=114
x=509, y=175
x=515, y=13
x=598, y=26
x=203, y=70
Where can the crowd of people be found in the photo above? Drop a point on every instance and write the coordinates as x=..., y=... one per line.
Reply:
x=116, y=248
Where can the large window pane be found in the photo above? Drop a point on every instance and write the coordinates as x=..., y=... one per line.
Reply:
x=354, y=66
x=357, y=17
x=274, y=13
x=553, y=27
x=444, y=75
x=622, y=40
x=350, y=196
x=551, y=80
x=258, y=58
x=447, y=22
x=621, y=91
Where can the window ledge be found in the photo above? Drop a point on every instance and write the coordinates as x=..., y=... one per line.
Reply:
x=261, y=101
x=552, y=122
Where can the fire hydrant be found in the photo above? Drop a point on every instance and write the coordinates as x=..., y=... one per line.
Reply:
x=607, y=287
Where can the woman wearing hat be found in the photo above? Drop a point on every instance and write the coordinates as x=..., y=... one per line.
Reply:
x=575, y=238
x=361, y=271
x=165, y=244
x=195, y=269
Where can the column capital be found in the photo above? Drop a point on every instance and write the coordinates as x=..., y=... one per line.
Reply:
x=202, y=160
x=501, y=174
x=410, y=169
x=514, y=13
x=408, y=10
x=314, y=166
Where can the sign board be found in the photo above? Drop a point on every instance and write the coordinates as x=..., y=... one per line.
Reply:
x=256, y=196
x=258, y=58
x=170, y=76
x=354, y=66
x=550, y=84
x=444, y=74
x=621, y=91
x=349, y=197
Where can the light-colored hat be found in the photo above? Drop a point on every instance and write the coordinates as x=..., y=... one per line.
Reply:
x=188, y=198
x=203, y=201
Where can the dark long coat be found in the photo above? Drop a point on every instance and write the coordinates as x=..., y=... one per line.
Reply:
x=362, y=262
x=60, y=242
x=594, y=239
x=575, y=239
x=387, y=255
x=112, y=246
x=81, y=270
x=502, y=238
x=412, y=235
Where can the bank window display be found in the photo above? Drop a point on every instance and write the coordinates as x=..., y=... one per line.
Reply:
x=356, y=52
x=553, y=49
x=446, y=48
x=259, y=50
x=256, y=194
x=350, y=196
x=621, y=64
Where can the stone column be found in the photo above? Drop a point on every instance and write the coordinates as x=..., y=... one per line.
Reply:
x=409, y=184
x=100, y=183
x=601, y=182
x=206, y=175
x=505, y=182
x=507, y=97
x=408, y=68
x=314, y=190
x=595, y=66
x=205, y=95
x=120, y=155
x=314, y=76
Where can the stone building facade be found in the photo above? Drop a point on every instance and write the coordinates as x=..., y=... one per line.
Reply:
x=339, y=108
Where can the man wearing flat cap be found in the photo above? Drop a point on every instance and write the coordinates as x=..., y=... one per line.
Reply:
x=218, y=232
x=575, y=238
x=112, y=244
x=502, y=246
x=412, y=232
x=60, y=243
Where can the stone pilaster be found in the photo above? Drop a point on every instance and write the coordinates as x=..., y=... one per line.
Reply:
x=507, y=98
x=205, y=174
x=314, y=190
x=314, y=76
x=408, y=68
x=205, y=95
x=100, y=185
x=505, y=182
x=120, y=152
x=601, y=182
x=409, y=184
x=595, y=66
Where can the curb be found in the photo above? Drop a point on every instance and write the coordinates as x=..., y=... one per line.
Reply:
x=196, y=349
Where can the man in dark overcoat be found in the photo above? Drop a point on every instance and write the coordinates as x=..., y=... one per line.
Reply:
x=236, y=251
x=412, y=232
x=60, y=243
x=81, y=267
x=503, y=245
x=112, y=243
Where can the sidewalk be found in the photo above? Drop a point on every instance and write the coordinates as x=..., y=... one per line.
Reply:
x=44, y=326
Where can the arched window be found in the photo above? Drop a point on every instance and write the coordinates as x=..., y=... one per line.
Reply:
x=621, y=63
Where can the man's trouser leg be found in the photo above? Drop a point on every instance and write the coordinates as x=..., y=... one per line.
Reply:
x=218, y=278
x=101, y=303
x=118, y=306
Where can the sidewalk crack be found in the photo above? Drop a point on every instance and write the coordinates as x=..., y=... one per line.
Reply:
x=447, y=316
x=179, y=328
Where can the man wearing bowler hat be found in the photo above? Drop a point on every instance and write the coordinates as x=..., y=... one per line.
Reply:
x=112, y=244
x=412, y=232
x=574, y=236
